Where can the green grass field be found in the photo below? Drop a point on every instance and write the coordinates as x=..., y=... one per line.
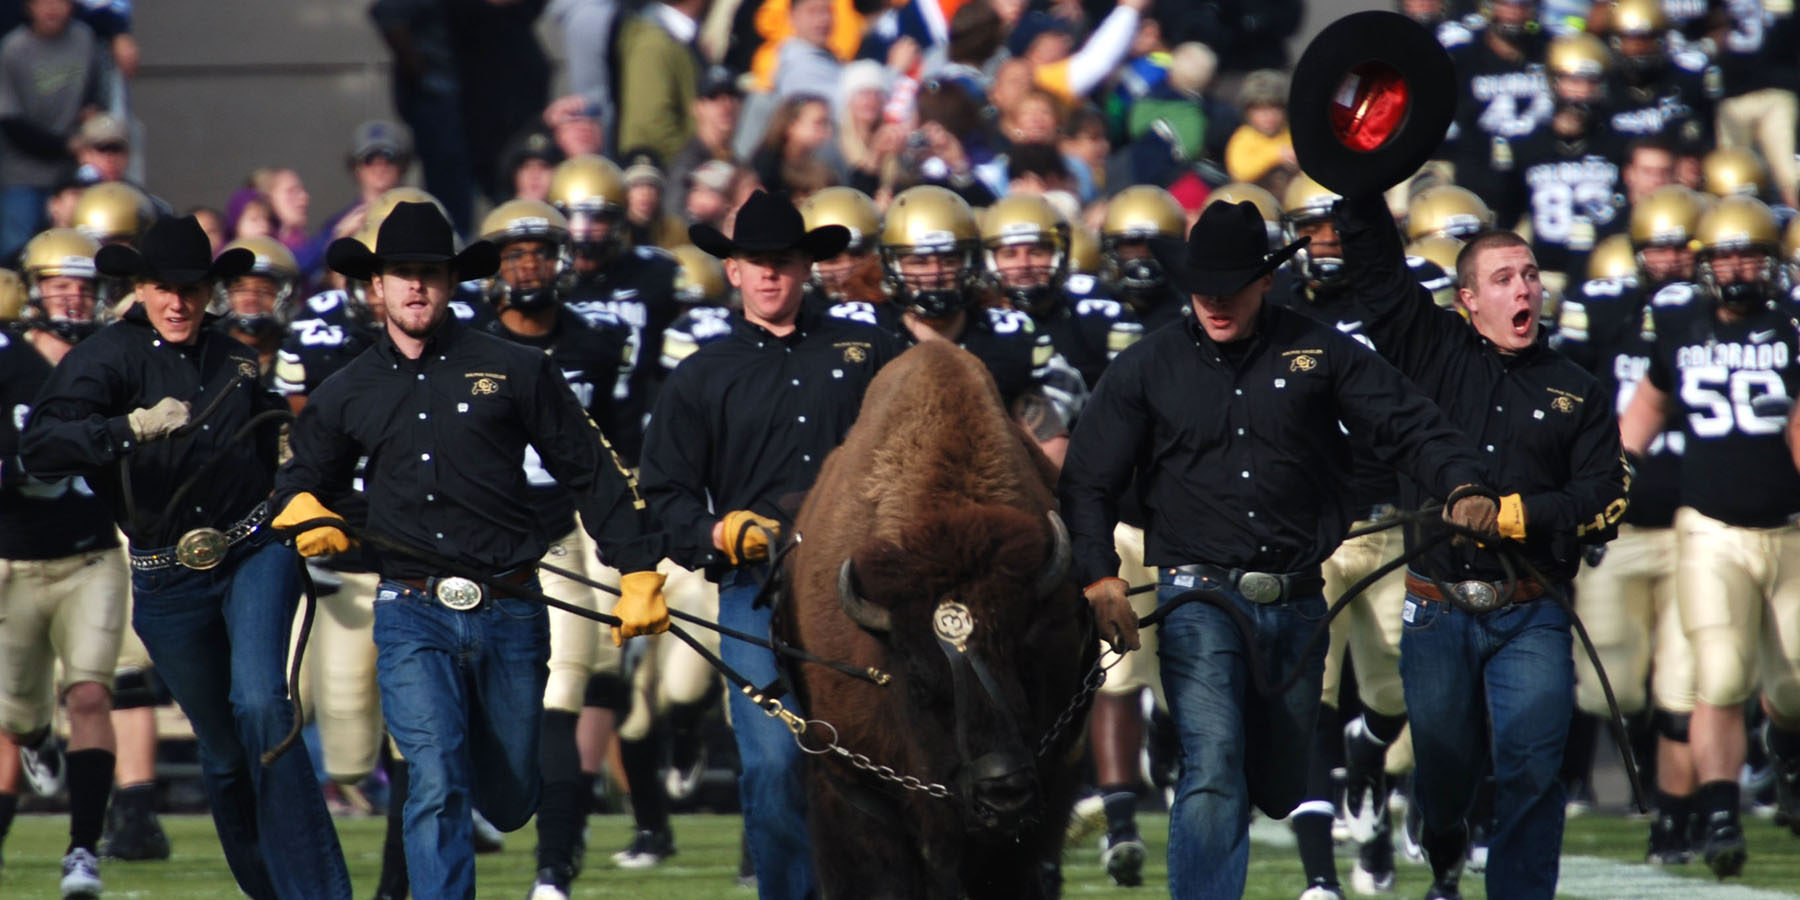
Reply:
x=707, y=863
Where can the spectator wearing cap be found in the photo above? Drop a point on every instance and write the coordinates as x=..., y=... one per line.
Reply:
x=799, y=131
x=806, y=64
x=716, y=110
x=1261, y=146
x=49, y=80
x=528, y=164
x=649, y=224
x=380, y=153
x=869, y=143
x=659, y=75
x=102, y=149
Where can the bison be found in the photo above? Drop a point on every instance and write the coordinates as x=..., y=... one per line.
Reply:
x=930, y=549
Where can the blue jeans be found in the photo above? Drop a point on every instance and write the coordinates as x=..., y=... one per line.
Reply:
x=463, y=693
x=21, y=212
x=219, y=639
x=1513, y=667
x=1237, y=748
x=770, y=789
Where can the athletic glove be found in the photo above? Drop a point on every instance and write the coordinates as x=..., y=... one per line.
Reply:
x=641, y=608
x=1471, y=507
x=1511, y=519
x=321, y=541
x=755, y=540
x=158, y=421
x=1113, y=613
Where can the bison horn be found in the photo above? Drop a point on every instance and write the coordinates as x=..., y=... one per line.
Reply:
x=1056, y=571
x=869, y=615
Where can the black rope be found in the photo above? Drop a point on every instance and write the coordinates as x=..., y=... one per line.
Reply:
x=306, y=625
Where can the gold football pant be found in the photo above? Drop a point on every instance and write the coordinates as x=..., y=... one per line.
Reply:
x=1369, y=628
x=577, y=645
x=69, y=610
x=1739, y=592
x=1627, y=604
x=1138, y=670
x=337, y=679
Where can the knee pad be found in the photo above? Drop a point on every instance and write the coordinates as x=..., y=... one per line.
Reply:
x=138, y=688
x=1673, y=726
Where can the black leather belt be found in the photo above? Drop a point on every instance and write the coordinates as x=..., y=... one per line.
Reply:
x=1256, y=587
x=463, y=594
x=1475, y=596
x=202, y=548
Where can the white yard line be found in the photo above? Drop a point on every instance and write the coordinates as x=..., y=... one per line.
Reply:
x=1592, y=877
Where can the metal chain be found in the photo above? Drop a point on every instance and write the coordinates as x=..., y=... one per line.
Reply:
x=1090, y=686
x=773, y=708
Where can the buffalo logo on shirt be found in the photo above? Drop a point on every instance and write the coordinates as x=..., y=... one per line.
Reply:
x=486, y=383
x=855, y=353
x=1564, y=402
x=246, y=368
x=1302, y=363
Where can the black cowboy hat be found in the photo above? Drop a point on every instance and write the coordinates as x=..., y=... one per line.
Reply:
x=1228, y=249
x=1370, y=101
x=769, y=223
x=413, y=232
x=176, y=251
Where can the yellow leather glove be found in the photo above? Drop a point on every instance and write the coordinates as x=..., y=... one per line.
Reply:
x=1511, y=521
x=321, y=541
x=1117, y=621
x=756, y=541
x=641, y=608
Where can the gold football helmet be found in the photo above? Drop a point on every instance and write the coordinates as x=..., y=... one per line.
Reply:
x=590, y=190
x=1733, y=170
x=1134, y=216
x=525, y=220
x=1441, y=251
x=1662, y=227
x=255, y=309
x=1084, y=250
x=12, y=296
x=1027, y=219
x=848, y=207
x=113, y=213
x=1639, y=18
x=701, y=279
x=62, y=253
x=931, y=231
x=273, y=258
x=1577, y=55
x=1613, y=258
x=541, y=265
x=1304, y=204
x=1448, y=210
x=1239, y=192
x=1740, y=224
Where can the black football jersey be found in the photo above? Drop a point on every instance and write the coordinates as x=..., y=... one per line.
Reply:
x=1607, y=325
x=1090, y=327
x=40, y=518
x=1498, y=101
x=694, y=328
x=1731, y=388
x=637, y=289
x=1572, y=195
x=1679, y=103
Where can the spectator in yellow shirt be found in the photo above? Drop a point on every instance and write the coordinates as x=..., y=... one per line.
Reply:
x=1261, y=146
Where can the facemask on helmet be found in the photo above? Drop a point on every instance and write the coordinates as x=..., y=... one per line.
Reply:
x=1041, y=293
x=255, y=304
x=597, y=236
x=68, y=308
x=934, y=282
x=552, y=263
x=1768, y=286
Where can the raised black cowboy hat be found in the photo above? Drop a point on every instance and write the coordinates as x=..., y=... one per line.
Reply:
x=769, y=223
x=175, y=251
x=1228, y=249
x=1369, y=102
x=413, y=232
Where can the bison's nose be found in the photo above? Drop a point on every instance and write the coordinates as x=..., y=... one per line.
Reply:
x=1005, y=782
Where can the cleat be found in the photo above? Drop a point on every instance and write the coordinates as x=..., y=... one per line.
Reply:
x=552, y=884
x=1321, y=891
x=1373, y=874
x=1087, y=819
x=1785, y=774
x=647, y=850
x=1365, y=781
x=1669, y=843
x=1412, y=833
x=131, y=837
x=1724, y=846
x=80, y=875
x=43, y=765
x=1123, y=856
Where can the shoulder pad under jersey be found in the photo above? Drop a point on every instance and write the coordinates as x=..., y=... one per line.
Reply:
x=648, y=252
x=854, y=311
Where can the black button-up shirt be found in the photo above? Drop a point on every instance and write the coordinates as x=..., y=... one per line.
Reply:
x=1237, y=448
x=445, y=436
x=749, y=419
x=40, y=518
x=78, y=427
x=1544, y=425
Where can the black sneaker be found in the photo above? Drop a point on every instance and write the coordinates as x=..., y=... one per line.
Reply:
x=1446, y=885
x=1123, y=853
x=1724, y=847
x=552, y=884
x=1365, y=781
x=1374, y=871
x=1669, y=843
x=647, y=850
x=133, y=836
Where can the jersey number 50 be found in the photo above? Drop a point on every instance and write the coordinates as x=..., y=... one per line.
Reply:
x=1754, y=401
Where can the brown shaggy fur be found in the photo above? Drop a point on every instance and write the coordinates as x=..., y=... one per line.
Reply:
x=934, y=493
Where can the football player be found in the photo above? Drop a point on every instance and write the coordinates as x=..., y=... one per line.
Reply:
x=254, y=306
x=1502, y=93
x=1725, y=369
x=1134, y=217
x=1658, y=89
x=855, y=274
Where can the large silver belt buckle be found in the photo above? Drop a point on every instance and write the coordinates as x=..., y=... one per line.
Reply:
x=1477, y=595
x=1260, y=587
x=459, y=593
x=202, y=548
